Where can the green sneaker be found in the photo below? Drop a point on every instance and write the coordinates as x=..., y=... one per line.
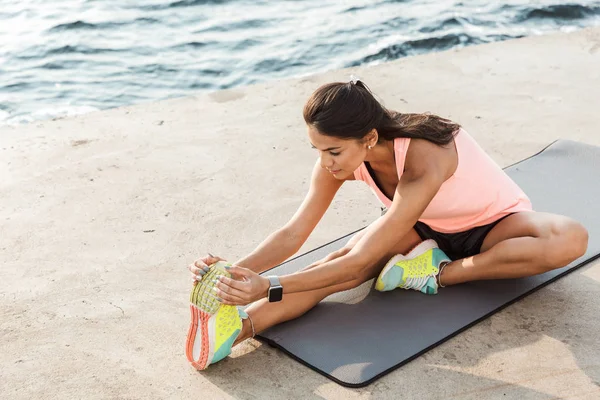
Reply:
x=417, y=270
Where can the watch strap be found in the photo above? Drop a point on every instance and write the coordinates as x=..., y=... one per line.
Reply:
x=274, y=280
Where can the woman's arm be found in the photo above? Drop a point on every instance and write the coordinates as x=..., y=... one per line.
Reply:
x=427, y=168
x=286, y=241
x=412, y=197
x=409, y=203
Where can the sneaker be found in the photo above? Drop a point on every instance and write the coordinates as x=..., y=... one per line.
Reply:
x=214, y=326
x=417, y=270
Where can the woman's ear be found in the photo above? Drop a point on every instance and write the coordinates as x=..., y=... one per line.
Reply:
x=372, y=137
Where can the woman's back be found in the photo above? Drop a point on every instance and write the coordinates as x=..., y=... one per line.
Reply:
x=478, y=193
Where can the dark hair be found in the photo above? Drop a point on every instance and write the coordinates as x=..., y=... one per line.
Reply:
x=350, y=111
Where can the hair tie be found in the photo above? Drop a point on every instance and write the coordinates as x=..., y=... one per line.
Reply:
x=354, y=79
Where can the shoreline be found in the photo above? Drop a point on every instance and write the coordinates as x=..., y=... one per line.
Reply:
x=52, y=111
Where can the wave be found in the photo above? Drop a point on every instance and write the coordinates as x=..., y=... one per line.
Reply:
x=181, y=3
x=82, y=25
x=558, y=12
x=270, y=65
x=74, y=25
x=40, y=52
x=398, y=22
x=370, y=5
x=78, y=49
x=449, y=23
x=190, y=45
x=17, y=86
x=426, y=45
x=413, y=47
x=153, y=69
x=237, y=45
x=246, y=44
x=240, y=25
x=64, y=64
x=356, y=8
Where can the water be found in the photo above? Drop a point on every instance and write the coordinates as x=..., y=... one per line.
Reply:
x=66, y=57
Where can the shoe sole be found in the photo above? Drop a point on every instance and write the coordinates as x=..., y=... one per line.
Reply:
x=200, y=346
x=418, y=249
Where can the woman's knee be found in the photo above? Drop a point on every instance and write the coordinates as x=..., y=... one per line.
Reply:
x=577, y=238
x=565, y=242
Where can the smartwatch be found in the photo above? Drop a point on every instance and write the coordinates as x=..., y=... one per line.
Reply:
x=275, y=292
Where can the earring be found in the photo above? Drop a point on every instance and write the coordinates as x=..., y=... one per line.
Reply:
x=370, y=147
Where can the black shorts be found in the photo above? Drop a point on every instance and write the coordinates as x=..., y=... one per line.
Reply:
x=460, y=244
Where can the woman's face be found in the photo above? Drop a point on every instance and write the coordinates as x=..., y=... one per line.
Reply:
x=341, y=157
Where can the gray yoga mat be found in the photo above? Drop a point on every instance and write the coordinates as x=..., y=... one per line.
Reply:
x=357, y=336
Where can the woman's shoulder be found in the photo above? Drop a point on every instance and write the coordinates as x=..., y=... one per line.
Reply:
x=424, y=155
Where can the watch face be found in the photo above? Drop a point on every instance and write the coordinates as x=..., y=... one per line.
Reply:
x=275, y=294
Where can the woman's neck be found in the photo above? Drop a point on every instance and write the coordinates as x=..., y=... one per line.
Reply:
x=382, y=155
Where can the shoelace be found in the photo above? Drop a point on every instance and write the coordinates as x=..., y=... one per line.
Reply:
x=416, y=279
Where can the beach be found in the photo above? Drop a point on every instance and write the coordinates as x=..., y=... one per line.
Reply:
x=101, y=214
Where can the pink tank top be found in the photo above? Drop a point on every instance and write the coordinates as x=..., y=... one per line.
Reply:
x=477, y=194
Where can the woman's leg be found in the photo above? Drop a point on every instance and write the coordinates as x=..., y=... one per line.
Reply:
x=523, y=244
x=265, y=314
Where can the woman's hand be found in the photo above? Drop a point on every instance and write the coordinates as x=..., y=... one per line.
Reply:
x=201, y=266
x=243, y=288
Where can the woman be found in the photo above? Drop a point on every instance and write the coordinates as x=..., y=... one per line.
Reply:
x=452, y=216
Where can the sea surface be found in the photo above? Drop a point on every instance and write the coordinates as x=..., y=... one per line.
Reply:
x=67, y=57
